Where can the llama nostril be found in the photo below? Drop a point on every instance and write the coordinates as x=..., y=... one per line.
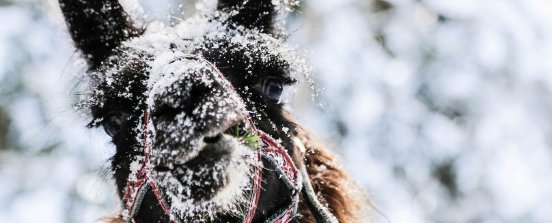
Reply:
x=213, y=139
x=164, y=113
x=162, y=169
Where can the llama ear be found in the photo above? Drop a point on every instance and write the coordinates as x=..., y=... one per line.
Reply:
x=97, y=27
x=252, y=14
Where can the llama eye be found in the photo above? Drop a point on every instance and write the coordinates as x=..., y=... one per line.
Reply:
x=112, y=123
x=272, y=89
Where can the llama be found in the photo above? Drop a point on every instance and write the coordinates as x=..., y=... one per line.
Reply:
x=195, y=113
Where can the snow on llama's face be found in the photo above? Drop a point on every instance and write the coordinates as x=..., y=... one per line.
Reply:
x=189, y=90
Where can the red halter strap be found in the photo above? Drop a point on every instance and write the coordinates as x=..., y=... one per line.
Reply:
x=275, y=154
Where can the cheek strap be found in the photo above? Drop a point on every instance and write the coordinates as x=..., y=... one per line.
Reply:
x=139, y=184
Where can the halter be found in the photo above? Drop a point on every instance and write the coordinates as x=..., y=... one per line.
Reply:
x=296, y=180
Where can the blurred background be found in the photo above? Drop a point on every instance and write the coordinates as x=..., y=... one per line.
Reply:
x=441, y=110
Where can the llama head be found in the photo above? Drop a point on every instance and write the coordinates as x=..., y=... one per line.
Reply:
x=190, y=95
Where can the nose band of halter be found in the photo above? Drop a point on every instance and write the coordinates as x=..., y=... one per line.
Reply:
x=141, y=182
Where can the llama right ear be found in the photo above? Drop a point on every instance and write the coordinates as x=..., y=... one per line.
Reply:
x=97, y=27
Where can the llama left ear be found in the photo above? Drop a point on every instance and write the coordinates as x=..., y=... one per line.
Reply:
x=252, y=14
x=97, y=27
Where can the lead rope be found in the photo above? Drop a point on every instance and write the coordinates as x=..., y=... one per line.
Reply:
x=318, y=210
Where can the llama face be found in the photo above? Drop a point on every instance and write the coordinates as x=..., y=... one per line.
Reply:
x=187, y=95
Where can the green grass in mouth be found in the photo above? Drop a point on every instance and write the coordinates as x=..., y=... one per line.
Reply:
x=249, y=139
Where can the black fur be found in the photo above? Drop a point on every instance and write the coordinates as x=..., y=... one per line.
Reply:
x=97, y=27
x=252, y=14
